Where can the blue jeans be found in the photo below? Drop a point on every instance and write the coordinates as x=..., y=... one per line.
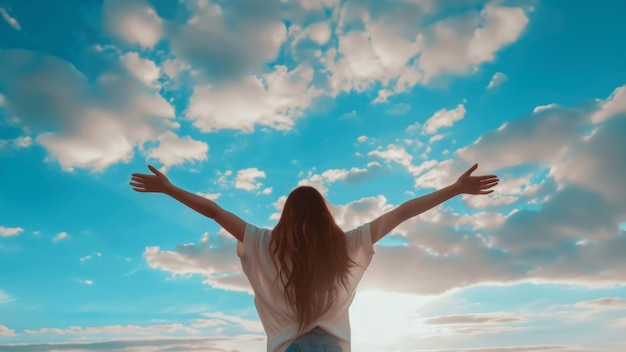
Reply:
x=316, y=340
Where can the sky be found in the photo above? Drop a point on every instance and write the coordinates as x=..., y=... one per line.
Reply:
x=371, y=102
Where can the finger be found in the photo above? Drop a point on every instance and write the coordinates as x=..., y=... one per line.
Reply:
x=142, y=178
x=156, y=172
x=136, y=184
x=488, y=185
x=488, y=177
x=470, y=170
x=143, y=190
x=484, y=192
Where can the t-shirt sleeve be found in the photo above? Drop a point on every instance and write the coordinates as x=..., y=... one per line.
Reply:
x=360, y=241
x=252, y=237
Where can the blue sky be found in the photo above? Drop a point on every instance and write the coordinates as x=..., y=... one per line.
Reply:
x=373, y=103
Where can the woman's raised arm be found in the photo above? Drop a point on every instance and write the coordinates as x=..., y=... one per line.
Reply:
x=465, y=184
x=159, y=183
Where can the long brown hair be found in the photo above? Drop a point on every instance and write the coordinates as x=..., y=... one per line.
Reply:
x=310, y=254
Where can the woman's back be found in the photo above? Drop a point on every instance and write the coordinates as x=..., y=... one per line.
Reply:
x=275, y=313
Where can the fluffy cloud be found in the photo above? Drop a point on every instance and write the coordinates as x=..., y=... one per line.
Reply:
x=95, y=123
x=458, y=44
x=612, y=106
x=497, y=80
x=394, y=50
x=443, y=118
x=210, y=196
x=10, y=231
x=228, y=39
x=4, y=331
x=428, y=174
x=348, y=176
x=319, y=32
x=144, y=70
x=247, y=179
x=273, y=99
x=60, y=236
x=536, y=139
x=217, y=263
x=133, y=21
x=173, y=150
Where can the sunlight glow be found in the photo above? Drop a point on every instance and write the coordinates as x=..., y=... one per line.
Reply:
x=379, y=316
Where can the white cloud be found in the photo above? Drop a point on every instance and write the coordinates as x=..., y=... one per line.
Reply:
x=318, y=4
x=538, y=139
x=133, y=21
x=217, y=264
x=210, y=196
x=10, y=231
x=222, y=180
x=319, y=32
x=394, y=153
x=173, y=67
x=348, y=176
x=482, y=318
x=96, y=123
x=174, y=150
x=10, y=20
x=612, y=106
x=278, y=205
x=400, y=156
x=379, y=53
x=438, y=174
x=86, y=282
x=444, y=118
x=206, y=39
x=144, y=70
x=273, y=99
x=542, y=107
x=609, y=303
x=4, y=331
x=22, y=142
x=266, y=191
x=362, y=139
x=458, y=44
x=85, y=258
x=60, y=236
x=435, y=138
x=497, y=80
x=247, y=179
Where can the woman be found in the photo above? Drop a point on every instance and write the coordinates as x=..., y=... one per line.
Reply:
x=305, y=271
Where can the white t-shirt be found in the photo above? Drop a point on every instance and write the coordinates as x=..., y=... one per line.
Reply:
x=274, y=311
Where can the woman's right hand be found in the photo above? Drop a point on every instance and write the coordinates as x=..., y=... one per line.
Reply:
x=468, y=184
x=155, y=183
